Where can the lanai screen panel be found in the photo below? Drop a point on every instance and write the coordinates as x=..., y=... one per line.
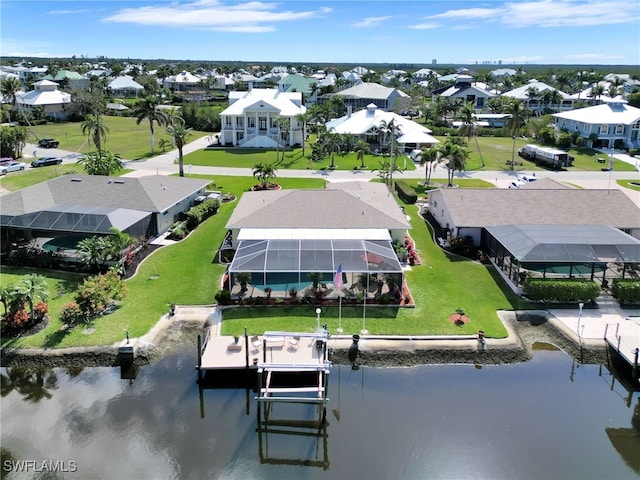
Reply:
x=567, y=243
x=285, y=254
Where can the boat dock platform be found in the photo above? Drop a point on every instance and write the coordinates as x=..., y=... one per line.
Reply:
x=624, y=339
x=300, y=351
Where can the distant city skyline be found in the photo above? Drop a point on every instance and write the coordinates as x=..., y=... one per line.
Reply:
x=567, y=32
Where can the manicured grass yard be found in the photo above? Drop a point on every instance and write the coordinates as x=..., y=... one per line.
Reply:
x=496, y=151
x=126, y=138
x=293, y=159
x=18, y=180
x=186, y=273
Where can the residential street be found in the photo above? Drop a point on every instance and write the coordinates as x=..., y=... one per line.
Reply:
x=164, y=165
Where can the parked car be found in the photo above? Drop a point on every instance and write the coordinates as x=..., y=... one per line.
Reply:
x=48, y=143
x=527, y=178
x=44, y=161
x=5, y=160
x=12, y=167
x=516, y=184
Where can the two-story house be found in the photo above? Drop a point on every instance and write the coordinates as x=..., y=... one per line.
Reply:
x=615, y=124
x=262, y=118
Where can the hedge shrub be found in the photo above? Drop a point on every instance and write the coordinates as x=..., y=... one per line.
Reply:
x=199, y=213
x=406, y=192
x=561, y=290
x=626, y=290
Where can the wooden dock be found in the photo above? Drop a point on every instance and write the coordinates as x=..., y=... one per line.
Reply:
x=624, y=339
x=292, y=351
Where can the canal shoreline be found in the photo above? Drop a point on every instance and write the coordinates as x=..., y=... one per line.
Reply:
x=526, y=329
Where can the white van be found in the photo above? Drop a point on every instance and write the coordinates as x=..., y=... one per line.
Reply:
x=415, y=155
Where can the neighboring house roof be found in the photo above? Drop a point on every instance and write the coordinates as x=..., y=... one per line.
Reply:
x=425, y=73
x=561, y=243
x=183, y=77
x=117, y=106
x=297, y=82
x=124, y=82
x=613, y=112
x=372, y=91
x=503, y=72
x=342, y=205
x=369, y=119
x=288, y=104
x=68, y=75
x=45, y=93
x=535, y=206
x=522, y=92
x=154, y=193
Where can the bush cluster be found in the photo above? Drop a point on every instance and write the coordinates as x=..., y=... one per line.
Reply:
x=627, y=291
x=406, y=192
x=199, y=213
x=561, y=290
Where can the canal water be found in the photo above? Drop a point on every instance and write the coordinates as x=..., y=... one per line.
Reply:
x=548, y=418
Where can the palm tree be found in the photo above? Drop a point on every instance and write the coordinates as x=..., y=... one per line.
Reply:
x=430, y=157
x=456, y=157
x=94, y=127
x=264, y=172
x=597, y=91
x=391, y=131
x=10, y=87
x=33, y=287
x=302, y=119
x=331, y=142
x=94, y=251
x=106, y=163
x=468, y=127
x=362, y=148
x=179, y=135
x=147, y=109
x=519, y=114
x=284, y=124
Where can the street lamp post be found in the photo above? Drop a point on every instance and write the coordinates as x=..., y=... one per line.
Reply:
x=318, y=312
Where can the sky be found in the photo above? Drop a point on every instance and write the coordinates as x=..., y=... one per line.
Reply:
x=574, y=32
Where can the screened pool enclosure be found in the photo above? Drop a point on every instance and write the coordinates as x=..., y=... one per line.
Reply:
x=283, y=264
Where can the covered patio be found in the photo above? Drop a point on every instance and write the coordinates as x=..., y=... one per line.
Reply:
x=596, y=252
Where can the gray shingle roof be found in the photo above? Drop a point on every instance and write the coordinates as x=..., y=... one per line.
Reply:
x=341, y=206
x=153, y=193
x=484, y=207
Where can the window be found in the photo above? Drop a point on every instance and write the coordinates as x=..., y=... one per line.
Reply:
x=619, y=129
x=604, y=129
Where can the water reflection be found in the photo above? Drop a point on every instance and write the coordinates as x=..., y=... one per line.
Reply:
x=34, y=384
x=448, y=421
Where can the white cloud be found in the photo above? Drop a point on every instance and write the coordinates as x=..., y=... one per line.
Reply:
x=68, y=12
x=548, y=13
x=213, y=15
x=593, y=56
x=371, y=22
x=425, y=26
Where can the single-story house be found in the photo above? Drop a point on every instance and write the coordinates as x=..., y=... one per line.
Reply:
x=125, y=86
x=366, y=124
x=74, y=207
x=282, y=236
x=533, y=95
x=615, y=123
x=181, y=82
x=253, y=119
x=538, y=217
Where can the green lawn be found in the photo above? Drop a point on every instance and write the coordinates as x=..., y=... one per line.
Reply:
x=632, y=184
x=186, y=273
x=126, y=138
x=436, y=288
x=293, y=159
x=496, y=151
x=18, y=180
